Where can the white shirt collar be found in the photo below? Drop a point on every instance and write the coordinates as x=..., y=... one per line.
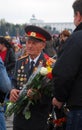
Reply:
x=35, y=60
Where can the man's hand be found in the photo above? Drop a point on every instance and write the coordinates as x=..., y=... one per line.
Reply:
x=55, y=102
x=30, y=93
x=14, y=94
x=33, y=94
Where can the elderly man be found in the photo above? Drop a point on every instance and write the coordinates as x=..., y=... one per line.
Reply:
x=35, y=43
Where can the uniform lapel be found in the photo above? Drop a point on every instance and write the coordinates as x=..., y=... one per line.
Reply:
x=41, y=58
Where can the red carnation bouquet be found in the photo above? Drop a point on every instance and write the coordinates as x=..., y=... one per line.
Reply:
x=38, y=82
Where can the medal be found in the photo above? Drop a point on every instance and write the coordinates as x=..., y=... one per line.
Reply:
x=25, y=75
x=19, y=70
x=25, y=79
x=20, y=88
x=22, y=75
x=22, y=67
x=21, y=79
x=18, y=75
x=21, y=83
x=22, y=70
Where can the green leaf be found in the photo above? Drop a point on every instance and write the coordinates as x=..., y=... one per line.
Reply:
x=27, y=115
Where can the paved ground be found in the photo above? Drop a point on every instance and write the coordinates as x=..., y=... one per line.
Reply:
x=9, y=123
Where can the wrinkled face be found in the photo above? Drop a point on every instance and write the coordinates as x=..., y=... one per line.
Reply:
x=77, y=18
x=34, y=47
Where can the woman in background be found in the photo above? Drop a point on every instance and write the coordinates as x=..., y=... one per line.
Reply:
x=7, y=55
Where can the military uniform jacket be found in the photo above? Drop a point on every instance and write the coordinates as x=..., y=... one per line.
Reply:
x=39, y=112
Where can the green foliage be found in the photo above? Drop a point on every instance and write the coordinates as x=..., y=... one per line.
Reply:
x=11, y=29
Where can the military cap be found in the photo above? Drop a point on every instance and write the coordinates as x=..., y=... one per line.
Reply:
x=37, y=32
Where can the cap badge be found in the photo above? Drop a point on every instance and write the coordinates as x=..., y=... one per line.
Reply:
x=33, y=34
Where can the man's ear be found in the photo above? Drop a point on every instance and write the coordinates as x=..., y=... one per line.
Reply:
x=44, y=45
x=79, y=16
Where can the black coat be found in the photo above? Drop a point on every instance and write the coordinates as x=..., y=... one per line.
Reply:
x=10, y=60
x=39, y=112
x=67, y=71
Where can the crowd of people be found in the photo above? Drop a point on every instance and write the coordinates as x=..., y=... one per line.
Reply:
x=18, y=60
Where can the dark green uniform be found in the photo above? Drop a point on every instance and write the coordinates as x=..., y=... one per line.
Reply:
x=39, y=112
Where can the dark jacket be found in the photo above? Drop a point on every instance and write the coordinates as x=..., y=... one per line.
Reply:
x=39, y=112
x=67, y=71
x=10, y=61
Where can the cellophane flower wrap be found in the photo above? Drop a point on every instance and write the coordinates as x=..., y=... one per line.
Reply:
x=38, y=81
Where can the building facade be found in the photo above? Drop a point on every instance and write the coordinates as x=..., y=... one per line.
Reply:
x=53, y=26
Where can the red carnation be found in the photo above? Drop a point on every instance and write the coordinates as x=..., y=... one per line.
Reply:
x=49, y=75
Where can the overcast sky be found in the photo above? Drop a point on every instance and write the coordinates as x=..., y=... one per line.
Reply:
x=20, y=11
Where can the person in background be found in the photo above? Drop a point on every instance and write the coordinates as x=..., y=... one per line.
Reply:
x=35, y=43
x=63, y=36
x=18, y=51
x=67, y=74
x=7, y=55
x=5, y=87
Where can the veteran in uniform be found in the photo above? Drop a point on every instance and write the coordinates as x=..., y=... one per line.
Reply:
x=35, y=43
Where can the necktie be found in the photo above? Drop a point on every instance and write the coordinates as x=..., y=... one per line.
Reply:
x=31, y=67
